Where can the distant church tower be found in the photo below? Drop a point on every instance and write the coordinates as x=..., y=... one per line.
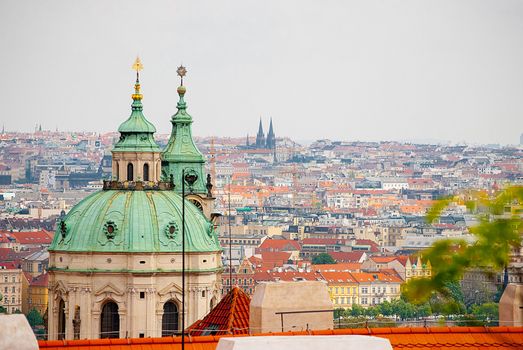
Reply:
x=260, y=137
x=271, y=139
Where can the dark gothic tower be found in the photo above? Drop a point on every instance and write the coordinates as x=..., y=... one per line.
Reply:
x=260, y=137
x=271, y=139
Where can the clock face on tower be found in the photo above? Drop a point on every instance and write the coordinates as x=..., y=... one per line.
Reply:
x=197, y=204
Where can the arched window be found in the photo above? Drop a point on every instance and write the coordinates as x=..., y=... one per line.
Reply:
x=146, y=172
x=61, y=319
x=169, y=319
x=117, y=172
x=130, y=172
x=110, y=321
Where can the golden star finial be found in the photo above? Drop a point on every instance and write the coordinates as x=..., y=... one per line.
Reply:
x=137, y=65
x=181, y=73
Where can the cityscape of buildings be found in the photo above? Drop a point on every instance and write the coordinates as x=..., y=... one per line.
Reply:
x=277, y=205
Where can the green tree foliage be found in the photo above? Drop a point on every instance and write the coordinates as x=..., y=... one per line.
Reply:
x=356, y=311
x=486, y=311
x=34, y=318
x=339, y=312
x=323, y=258
x=499, y=230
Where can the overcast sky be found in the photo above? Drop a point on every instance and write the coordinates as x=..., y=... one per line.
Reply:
x=339, y=69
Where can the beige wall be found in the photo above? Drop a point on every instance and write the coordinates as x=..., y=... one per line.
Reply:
x=138, y=159
x=511, y=306
x=272, y=297
x=139, y=289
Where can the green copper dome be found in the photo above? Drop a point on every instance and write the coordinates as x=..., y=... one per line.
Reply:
x=136, y=133
x=181, y=152
x=124, y=221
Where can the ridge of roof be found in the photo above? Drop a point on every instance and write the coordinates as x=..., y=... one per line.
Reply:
x=448, y=338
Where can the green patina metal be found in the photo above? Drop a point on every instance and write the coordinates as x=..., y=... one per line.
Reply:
x=181, y=151
x=136, y=133
x=123, y=221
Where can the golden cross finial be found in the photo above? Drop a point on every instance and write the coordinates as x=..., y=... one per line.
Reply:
x=137, y=65
x=181, y=73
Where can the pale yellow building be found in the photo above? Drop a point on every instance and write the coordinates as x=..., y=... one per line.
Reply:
x=343, y=289
x=11, y=287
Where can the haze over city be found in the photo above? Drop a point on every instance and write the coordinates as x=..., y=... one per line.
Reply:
x=347, y=70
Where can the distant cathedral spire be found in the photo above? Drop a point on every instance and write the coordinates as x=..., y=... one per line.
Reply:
x=271, y=139
x=260, y=137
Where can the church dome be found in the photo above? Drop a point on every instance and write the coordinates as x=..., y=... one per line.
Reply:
x=132, y=221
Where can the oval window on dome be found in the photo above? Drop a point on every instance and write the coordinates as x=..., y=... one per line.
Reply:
x=171, y=229
x=110, y=229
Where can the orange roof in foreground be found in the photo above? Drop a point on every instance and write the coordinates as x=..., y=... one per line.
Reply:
x=448, y=338
x=231, y=315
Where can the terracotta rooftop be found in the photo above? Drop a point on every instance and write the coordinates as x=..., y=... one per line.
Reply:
x=383, y=259
x=33, y=237
x=338, y=277
x=275, y=259
x=347, y=256
x=375, y=276
x=230, y=316
x=40, y=280
x=439, y=338
x=279, y=245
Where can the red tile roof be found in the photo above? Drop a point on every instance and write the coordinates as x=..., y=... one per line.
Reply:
x=32, y=237
x=255, y=261
x=7, y=254
x=373, y=246
x=437, y=338
x=276, y=245
x=275, y=258
x=230, y=316
x=338, y=277
x=40, y=280
x=375, y=276
x=383, y=259
x=347, y=256
x=8, y=265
